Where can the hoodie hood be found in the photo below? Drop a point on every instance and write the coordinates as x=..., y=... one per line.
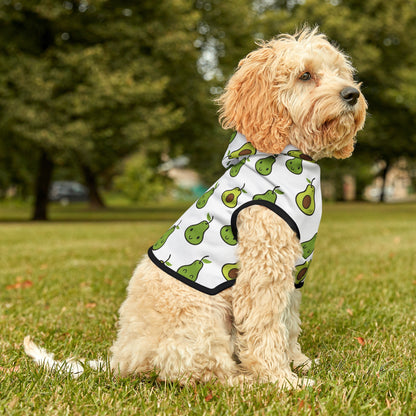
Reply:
x=240, y=150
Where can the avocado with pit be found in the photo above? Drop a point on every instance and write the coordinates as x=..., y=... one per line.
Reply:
x=264, y=165
x=162, y=240
x=230, y=271
x=308, y=246
x=191, y=271
x=305, y=200
x=300, y=272
x=194, y=234
x=300, y=155
x=230, y=197
x=202, y=201
x=246, y=149
x=227, y=235
x=295, y=164
x=269, y=195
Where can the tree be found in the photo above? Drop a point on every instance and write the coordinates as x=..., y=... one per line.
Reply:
x=140, y=182
x=79, y=84
x=223, y=35
x=89, y=83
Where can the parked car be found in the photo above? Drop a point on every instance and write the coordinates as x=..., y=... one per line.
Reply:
x=68, y=191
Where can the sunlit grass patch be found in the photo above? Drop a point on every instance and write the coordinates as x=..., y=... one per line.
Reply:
x=63, y=282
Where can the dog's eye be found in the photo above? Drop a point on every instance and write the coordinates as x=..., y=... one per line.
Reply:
x=306, y=76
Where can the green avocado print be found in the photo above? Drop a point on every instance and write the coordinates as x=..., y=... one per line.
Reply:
x=264, y=166
x=308, y=246
x=295, y=164
x=162, y=240
x=269, y=195
x=246, y=150
x=191, y=271
x=194, y=234
x=295, y=153
x=305, y=200
x=234, y=170
x=202, y=201
x=232, y=137
x=230, y=271
x=227, y=235
x=300, y=272
x=230, y=197
x=166, y=261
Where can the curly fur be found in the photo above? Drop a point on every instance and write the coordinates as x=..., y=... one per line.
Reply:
x=187, y=335
x=248, y=332
x=265, y=101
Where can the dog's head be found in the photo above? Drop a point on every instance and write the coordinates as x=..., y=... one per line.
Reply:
x=296, y=90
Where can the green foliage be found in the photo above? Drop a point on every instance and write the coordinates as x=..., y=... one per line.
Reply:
x=223, y=36
x=93, y=82
x=140, y=182
x=78, y=91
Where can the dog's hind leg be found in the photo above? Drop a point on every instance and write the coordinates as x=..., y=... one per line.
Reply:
x=173, y=329
x=267, y=252
x=199, y=347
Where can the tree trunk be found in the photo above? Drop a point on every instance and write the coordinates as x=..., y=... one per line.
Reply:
x=90, y=178
x=384, y=177
x=42, y=185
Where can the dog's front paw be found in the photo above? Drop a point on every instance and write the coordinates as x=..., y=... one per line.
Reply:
x=306, y=382
x=295, y=382
x=303, y=364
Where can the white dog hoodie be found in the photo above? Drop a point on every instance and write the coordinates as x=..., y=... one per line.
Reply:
x=200, y=248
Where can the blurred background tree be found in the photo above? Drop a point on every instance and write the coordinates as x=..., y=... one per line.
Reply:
x=79, y=84
x=86, y=84
x=140, y=181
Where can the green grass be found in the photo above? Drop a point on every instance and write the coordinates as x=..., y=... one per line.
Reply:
x=62, y=282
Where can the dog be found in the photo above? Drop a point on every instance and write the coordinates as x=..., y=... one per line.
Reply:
x=217, y=297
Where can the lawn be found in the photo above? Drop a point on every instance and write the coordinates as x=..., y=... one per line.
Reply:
x=63, y=281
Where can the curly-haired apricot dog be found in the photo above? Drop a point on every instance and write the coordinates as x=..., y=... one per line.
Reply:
x=217, y=296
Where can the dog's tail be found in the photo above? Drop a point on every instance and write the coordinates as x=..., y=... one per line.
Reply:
x=71, y=366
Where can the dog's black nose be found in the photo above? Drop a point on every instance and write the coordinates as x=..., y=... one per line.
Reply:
x=350, y=95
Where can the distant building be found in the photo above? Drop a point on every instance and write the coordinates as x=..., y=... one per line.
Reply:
x=398, y=185
x=186, y=180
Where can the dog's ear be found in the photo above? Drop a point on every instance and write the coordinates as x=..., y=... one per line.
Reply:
x=251, y=104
